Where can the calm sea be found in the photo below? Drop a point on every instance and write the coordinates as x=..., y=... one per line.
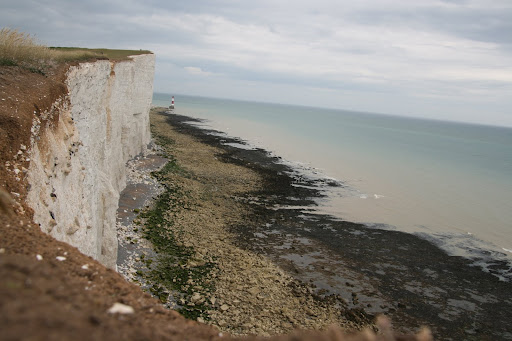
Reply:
x=448, y=182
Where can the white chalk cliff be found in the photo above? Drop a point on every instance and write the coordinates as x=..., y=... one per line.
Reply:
x=78, y=165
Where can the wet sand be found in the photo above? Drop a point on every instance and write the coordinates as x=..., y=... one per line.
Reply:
x=259, y=207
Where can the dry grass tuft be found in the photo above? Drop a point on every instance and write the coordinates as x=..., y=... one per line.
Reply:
x=21, y=49
x=17, y=48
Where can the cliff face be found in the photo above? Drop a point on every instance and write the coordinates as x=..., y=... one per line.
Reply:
x=77, y=166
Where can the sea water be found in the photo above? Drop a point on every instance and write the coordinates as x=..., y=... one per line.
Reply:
x=448, y=182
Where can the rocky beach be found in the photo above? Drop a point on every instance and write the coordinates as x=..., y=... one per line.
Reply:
x=244, y=292
x=255, y=258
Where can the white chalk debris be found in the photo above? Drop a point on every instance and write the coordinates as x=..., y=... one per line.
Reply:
x=39, y=257
x=60, y=258
x=119, y=308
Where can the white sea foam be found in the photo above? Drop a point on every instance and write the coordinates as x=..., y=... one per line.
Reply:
x=240, y=146
x=507, y=250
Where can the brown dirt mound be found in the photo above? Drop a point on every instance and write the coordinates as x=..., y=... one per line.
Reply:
x=24, y=95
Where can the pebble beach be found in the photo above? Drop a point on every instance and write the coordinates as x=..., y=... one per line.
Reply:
x=252, y=295
x=251, y=256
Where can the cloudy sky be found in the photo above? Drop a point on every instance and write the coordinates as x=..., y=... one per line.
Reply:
x=443, y=59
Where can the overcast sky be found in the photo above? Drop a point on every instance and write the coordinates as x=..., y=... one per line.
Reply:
x=440, y=59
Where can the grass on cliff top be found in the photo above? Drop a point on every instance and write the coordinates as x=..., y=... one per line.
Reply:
x=101, y=53
x=22, y=49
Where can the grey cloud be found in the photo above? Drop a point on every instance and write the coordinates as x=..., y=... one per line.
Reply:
x=483, y=24
x=367, y=47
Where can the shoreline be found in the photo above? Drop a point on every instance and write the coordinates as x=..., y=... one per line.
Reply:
x=463, y=214
x=379, y=271
x=236, y=290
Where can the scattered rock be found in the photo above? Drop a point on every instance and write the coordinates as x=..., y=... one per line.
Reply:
x=196, y=297
x=254, y=291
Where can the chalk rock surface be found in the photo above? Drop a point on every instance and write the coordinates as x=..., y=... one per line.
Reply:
x=78, y=157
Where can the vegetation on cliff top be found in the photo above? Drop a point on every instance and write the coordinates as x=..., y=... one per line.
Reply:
x=22, y=49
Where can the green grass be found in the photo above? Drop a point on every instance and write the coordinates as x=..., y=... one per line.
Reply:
x=101, y=53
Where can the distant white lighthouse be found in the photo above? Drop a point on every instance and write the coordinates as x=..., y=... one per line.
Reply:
x=172, y=103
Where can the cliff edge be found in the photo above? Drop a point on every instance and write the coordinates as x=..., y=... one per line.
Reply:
x=74, y=162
